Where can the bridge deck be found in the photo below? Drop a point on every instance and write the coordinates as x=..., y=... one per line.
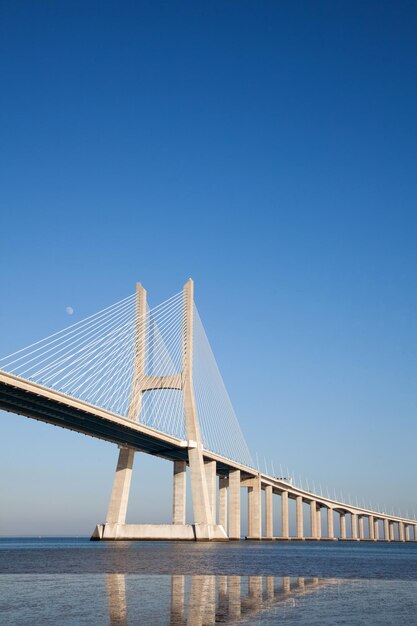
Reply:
x=45, y=405
x=16, y=399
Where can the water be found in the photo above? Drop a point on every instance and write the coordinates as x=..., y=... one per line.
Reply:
x=75, y=582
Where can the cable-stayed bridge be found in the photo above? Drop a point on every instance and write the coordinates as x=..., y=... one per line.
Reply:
x=147, y=380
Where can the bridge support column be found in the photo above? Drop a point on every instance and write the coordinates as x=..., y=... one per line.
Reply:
x=401, y=531
x=361, y=528
x=342, y=525
x=269, y=513
x=234, y=504
x=415, y=532
x=223, y=486
x=254, y=509
x=376, y=530
x=386, y=530
x=211, y=478
x=284, y=515
x=318, y=522
x=354, y=522
x=116, y=513
x=391, y=531
x=179, y=494
x=299, y=517
x=119, y=498
x=407, y=532
x=313, y=519
x=330, y=523
x=371, y=527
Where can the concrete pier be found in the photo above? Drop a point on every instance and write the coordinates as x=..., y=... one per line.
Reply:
x=318, y=521
x=223, y=488
x=269, y=513
x=361, y=528
x=254, y=509
x=342, y=525
x=330, y=523
x=401, y=531
x=371, y=527
x=313, y=519
x=211, y=478
x=119, y=498
x=179, y=492
x=354, y=523
x=299, y=518
x=234, y=504
x=284, y=515
x=391, y=531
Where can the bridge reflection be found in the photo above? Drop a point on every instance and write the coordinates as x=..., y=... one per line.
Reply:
x=203, y=600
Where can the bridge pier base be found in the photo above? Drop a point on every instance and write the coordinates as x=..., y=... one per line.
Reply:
x=159, y=532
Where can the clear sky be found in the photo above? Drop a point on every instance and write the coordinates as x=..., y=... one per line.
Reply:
x=267, y=149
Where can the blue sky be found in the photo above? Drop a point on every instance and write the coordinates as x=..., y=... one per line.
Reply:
x=268, y=150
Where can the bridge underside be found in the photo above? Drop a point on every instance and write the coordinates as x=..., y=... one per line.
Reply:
x=16, y=400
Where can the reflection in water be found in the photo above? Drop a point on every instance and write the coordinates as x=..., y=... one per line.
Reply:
x=206, y=600
x=116, y=593
x=177, y=599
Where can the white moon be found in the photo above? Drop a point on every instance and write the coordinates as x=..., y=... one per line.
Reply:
x=69, y=310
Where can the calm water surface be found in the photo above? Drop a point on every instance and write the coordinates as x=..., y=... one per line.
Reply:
x=75, y=581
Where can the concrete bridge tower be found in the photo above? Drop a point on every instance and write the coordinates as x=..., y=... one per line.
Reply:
x=204, y=527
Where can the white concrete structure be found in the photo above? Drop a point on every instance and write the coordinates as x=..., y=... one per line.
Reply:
x=202, y=471
x=216, y=480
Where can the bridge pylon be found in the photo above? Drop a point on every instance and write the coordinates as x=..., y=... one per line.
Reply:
x=204, y=527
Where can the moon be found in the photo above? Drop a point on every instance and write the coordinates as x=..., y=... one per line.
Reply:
x=69, y=310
